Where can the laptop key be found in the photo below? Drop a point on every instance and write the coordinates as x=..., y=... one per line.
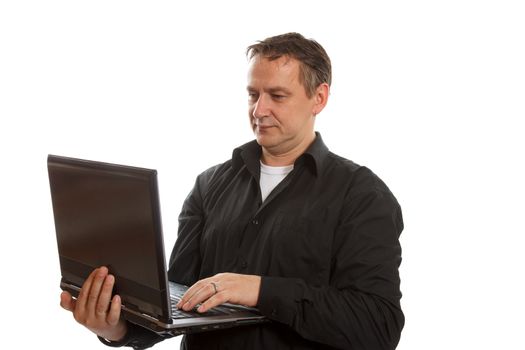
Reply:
x=178, y=313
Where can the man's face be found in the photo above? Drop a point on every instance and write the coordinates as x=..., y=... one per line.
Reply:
x=281, y=114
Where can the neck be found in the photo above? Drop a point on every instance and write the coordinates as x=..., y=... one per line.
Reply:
x=280, y=157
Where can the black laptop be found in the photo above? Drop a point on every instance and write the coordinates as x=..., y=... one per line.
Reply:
x=109, y=215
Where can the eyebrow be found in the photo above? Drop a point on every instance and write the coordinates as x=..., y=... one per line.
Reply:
x=273, y=90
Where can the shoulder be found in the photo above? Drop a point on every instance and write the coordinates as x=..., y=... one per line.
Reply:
x=224, y=171
x=357, y=177
x=361, y=187
x=366, y=194
x=213, y=173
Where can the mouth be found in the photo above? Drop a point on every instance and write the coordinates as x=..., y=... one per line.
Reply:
x=262, y=128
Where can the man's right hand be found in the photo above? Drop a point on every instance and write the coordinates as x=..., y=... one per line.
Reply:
x=95, y=309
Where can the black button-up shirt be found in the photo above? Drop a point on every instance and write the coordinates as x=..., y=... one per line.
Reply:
x=325, y=242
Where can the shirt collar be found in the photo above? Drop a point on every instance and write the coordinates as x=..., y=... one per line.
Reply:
x=249, y=154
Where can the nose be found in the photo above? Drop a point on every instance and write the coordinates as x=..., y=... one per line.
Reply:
x=261, y=108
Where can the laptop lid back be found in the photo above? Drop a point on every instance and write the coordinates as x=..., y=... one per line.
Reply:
x=105, y=210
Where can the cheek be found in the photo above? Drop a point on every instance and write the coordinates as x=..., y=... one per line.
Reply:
x=296, y=118
x=251, y=119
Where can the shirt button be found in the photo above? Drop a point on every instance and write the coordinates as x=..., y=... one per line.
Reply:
x=255, y=222
x=244, y=264
x=274, y=312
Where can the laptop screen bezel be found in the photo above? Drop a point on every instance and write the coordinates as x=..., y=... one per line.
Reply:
x=152, y=301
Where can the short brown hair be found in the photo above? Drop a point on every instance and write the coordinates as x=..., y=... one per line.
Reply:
x=315, y=66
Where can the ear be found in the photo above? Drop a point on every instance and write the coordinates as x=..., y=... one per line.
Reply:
x=321, y=98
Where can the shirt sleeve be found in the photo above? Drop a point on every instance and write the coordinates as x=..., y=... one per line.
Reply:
x=360, y=308
x=136, y=337
x=185, y=262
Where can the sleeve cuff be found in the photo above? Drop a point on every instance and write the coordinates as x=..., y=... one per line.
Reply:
x=279, y=298
x=136, y=337
x=116, y=344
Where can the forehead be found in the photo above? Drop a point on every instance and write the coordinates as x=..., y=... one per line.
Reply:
x=281, y=71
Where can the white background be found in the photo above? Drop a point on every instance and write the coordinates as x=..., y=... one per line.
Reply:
x=429, y=95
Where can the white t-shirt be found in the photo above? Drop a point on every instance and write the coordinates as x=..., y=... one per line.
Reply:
x=271, y=176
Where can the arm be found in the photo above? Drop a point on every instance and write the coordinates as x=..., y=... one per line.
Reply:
x=186, y=268
x=360, y=307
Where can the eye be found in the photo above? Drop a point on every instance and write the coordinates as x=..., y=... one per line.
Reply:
x=278, y=97
x=252, y=96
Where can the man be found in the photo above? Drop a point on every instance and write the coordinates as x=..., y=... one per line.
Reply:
x=308, y=237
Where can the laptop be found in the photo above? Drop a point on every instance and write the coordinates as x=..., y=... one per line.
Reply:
x=109, y=215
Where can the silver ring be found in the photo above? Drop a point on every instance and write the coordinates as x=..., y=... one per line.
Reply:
x=214, y=287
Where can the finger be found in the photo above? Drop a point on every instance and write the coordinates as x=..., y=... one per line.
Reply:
x=203, y=294
x=207, y=292
x=114, y=311
x=192, y=298
x=67, y=302
x=94, y=292
x=84, y=292
x=104, y=298
x=190, y=293
x=214, y=300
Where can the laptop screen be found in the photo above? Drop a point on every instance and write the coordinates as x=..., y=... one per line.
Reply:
x=109, y=215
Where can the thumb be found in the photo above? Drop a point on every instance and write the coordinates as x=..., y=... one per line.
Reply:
x=67, y=302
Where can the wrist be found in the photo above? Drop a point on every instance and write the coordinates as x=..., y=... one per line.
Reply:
x=119, y=337
x=120, y=332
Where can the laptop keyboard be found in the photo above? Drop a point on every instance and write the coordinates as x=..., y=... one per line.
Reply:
x=179, y=313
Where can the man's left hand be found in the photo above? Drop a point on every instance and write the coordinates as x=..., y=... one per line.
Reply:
x=222, y=288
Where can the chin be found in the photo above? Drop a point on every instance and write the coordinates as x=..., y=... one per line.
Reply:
x=264, y=140
x=268, y=142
